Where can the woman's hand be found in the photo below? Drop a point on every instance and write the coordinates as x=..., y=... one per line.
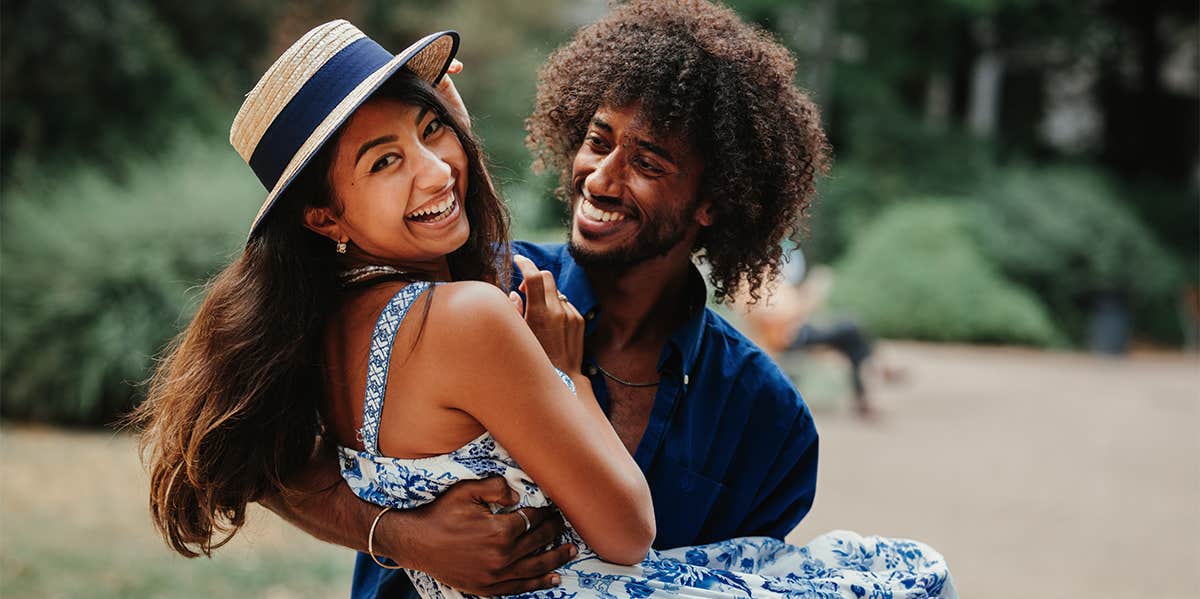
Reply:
x=449, y=94
x=556, y=323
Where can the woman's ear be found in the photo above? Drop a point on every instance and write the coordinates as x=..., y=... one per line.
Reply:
x=322, y=222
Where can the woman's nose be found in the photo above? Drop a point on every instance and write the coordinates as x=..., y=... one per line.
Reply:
x=433, y=173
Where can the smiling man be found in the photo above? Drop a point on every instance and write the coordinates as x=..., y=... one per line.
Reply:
x=679, y=136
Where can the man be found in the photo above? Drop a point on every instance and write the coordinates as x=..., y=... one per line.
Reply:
x=678, y=131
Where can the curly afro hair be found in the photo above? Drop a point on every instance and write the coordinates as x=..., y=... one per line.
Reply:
x=727, y=89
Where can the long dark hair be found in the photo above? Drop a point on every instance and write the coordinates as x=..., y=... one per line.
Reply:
x=232, y=408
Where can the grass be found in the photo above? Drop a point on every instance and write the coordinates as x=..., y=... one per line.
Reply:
x=74, y=523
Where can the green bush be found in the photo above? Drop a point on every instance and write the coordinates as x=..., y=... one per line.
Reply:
x=88, y=82
x=1065, y=233
x=892, y=157
x=97, y=276
x=914, y=273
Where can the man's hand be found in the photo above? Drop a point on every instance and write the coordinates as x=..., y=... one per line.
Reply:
x=459, y=541
x=453, y=101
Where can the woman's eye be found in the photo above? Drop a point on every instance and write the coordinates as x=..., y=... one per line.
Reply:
x=384, y=161
x=433, y=127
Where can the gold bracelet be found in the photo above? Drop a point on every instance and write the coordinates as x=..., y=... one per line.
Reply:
x=371, y=542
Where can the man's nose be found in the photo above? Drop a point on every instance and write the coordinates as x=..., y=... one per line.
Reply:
x=433, y=173
x=608, y=179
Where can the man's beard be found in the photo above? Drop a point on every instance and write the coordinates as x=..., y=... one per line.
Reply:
x=656, y=239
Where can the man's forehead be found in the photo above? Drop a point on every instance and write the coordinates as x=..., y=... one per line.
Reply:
x=635, y=124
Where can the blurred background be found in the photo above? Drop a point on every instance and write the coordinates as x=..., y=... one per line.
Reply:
x=1011, y=230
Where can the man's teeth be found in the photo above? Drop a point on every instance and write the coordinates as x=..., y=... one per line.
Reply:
x=435, y=209
x=591, y=211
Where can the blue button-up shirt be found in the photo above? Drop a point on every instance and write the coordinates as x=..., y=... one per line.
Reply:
x=730, y=449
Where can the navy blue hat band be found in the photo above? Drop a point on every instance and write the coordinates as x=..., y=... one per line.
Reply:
x=311, y=104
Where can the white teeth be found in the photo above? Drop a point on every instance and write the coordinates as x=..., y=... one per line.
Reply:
x=435, y=209
x=591, y=211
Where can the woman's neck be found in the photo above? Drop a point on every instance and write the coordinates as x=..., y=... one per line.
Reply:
x=437, y=269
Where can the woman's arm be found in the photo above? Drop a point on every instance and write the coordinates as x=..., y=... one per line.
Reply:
x=565, y=442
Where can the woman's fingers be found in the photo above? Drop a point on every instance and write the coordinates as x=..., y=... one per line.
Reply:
x=456, y=67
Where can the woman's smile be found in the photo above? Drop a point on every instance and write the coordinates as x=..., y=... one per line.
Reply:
x=439, y=211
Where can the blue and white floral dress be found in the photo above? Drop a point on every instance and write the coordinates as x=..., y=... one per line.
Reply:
x=836, y=564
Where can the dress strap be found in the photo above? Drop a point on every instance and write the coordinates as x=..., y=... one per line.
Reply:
x=380, y=357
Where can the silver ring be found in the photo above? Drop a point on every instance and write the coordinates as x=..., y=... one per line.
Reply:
x=526, y=519
x=562, y=297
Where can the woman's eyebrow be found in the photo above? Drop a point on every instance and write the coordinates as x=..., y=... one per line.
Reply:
x=371, y=144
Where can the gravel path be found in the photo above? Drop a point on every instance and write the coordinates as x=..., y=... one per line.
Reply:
x=1036, y=474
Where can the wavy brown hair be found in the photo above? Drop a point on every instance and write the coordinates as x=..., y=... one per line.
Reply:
x=724, y=86
x=232, y=409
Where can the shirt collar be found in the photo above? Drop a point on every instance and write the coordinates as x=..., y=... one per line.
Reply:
x=573, y=282
x=685, y=340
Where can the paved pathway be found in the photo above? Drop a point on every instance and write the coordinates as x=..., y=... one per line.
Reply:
x=1036, y=474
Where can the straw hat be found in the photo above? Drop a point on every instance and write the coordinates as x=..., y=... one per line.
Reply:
x=312, y=89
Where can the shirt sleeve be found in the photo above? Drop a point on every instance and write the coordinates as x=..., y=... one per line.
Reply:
x=788, y=489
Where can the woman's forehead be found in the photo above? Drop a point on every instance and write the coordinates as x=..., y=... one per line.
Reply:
x=382, y=113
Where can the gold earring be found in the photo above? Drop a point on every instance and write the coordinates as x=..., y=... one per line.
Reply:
x=341, y=247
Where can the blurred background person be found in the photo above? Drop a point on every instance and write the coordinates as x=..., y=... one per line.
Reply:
x=783, y=323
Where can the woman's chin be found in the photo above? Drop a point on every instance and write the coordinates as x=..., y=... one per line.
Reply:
x=449, y=242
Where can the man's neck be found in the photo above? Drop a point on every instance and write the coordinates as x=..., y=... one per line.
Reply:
x=642, y=304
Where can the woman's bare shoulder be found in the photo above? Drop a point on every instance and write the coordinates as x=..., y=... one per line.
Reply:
x=472, y=307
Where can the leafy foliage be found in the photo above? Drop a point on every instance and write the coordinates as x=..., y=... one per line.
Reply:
x=914, y=273
x=1064, y=233
x=89, y=82
x=98, y=275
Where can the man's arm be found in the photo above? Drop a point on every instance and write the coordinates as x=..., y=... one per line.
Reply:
x=456, y=539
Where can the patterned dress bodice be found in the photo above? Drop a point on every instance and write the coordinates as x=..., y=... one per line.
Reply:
x=837, y=564
x=406, y=483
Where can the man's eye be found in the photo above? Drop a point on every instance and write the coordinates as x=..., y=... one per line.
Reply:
x=384, y=161
x=648, y=166
x=433, y=127
x=597, y=143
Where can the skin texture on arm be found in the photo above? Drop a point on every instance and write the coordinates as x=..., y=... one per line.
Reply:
x=563, y=441
x=320, y=504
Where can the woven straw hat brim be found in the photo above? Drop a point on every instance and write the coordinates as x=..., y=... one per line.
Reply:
x=428, y=58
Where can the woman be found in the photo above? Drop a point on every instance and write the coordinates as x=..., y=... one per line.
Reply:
x=379, y=207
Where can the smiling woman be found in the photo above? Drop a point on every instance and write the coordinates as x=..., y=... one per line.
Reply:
x=233, y=408
x=399, y=174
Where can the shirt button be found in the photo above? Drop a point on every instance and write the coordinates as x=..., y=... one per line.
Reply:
x=591, y=315
x=591, y=370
